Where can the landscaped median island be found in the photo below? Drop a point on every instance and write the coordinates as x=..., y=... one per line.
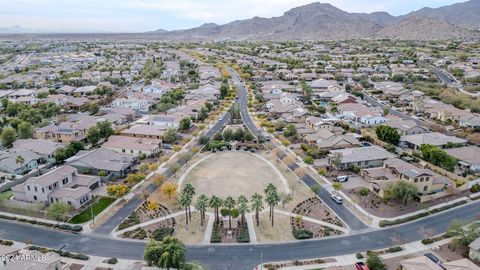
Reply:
x=96, y=208
x=385, y=223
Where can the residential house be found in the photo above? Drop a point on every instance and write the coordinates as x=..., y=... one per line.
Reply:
x=144, y=131
x=395, y=169
x=468, y=157
x=45, y=148
x=361, y=157
x=133, y=146
x=406, y=127
x=434, y=138
x=103, y=159
x=65, y=132
x=431, y=262
x=19, y=161
x=62, y=184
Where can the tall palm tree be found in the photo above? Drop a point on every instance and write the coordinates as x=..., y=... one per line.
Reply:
x=215, y=202
x=272, y=199
x=201, y=205
x=185, y=201
x=230, y=204
x=268, y=189
x=242, y=207
x=257, y=204
x=189, y=189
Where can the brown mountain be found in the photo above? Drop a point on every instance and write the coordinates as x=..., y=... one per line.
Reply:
x=317, y=21
x=423, y=28
x=466, y=14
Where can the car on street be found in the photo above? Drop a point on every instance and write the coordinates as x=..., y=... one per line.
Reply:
x=342, y=178
x=337, y=199
x=361, y=266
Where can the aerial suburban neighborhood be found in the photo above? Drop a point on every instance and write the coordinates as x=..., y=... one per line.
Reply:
x=256, y=144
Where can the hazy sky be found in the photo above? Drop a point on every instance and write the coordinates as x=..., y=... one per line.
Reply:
x=145, y=15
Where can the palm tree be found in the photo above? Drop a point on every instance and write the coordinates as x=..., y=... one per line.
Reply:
x=20, y=160
x=201, y=205
x=242, y=207
x=272, y=199
x=215, y=202
x=257, y=204
x=189, y=189
x=185, y=201
x=229, y=203
x=268, y=189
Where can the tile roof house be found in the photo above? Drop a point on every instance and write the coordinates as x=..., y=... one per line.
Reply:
x=468, y=157
x=144, y=131
x=424, y=262
x=406, y=127
x=133, y=146
x=102, y=159
x=362, y=157
x=433, y=138
x=62, y=184
x=9, y=161
x=45, y=148
x=395, y=169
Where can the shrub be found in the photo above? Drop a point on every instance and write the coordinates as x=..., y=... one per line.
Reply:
x=475, y=188
x=427, y=241
x=224, y=212
x=161, y=233
x=359, y=256
x=394, y=249
x=112, y=261
x=234, y=213
x=302, y=234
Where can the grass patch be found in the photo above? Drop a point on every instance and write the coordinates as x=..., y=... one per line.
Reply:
x=97, y=207
x=6, y=195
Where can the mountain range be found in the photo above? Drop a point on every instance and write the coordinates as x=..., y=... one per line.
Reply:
x=321, y=21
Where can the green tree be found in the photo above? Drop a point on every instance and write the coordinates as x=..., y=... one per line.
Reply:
x=93, y=135
x=189, y=189
x=387, y=134
x=185, y=202
x=403, y=191
x=105, y=129
x=242, y=208
x=170, y=135
x=272, y=199
x=374, y=262
x=229, y=203
x=290, y=131
x=201, y=205
x=256, y=203
x=169, y=253
x=57, y=210
x=285, y=198
x=185, y=124
x=308, y=160
x=25, y=130
x=8, y=136
x=337, y=186
x=215, y=203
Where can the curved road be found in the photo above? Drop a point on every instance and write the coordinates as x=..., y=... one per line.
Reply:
x=240, y=256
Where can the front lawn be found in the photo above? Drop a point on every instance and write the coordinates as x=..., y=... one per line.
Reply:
x=97, y=207
x=6, y=195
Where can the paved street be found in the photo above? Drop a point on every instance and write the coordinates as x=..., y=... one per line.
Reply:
x=240, y=256
x=109, y=225
x=243, y=101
